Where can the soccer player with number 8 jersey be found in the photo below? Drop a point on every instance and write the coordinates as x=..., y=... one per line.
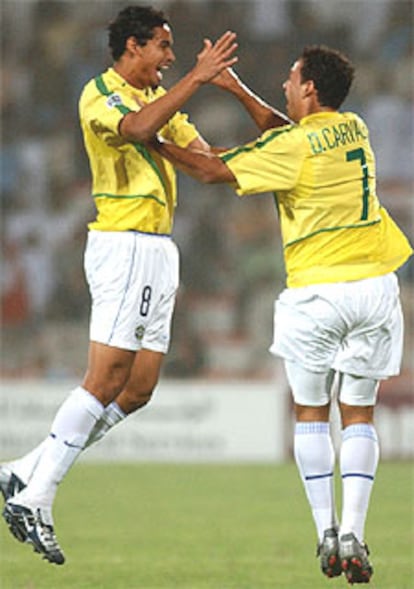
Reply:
x=131, y=262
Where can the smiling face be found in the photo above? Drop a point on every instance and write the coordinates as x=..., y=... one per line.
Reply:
x=142, y=65
x=156, y=54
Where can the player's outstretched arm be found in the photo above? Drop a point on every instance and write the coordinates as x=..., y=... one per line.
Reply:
x=142, y=125
x=264, y=115
x=204, y=166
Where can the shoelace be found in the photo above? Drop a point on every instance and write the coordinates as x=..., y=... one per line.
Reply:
x=27, y=519
x=47, y=534
x=49, y=538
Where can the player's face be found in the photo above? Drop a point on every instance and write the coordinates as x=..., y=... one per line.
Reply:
x=294, y=92
x=156, y=55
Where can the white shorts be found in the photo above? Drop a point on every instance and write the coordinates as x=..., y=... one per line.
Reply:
x=351, y=327
x=133, y=279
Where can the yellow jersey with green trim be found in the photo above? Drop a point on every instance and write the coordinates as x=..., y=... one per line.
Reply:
x=134, y=188
x=322, y=172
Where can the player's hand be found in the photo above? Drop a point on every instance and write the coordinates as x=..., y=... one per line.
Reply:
x=227, y=79
x=214, y=58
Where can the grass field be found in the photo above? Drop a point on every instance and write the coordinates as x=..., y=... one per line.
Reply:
x=204, y=527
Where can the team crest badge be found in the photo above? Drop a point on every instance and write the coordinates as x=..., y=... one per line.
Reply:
x=139, y=332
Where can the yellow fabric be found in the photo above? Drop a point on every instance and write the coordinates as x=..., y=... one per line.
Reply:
x=323, y=173
x=133, y=187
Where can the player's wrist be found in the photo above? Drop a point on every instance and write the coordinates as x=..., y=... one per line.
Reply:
x=194, y=78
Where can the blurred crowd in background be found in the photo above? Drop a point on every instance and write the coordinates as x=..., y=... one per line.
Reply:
x=232, y=267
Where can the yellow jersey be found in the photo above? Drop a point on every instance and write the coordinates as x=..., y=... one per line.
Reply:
x=322, y=172
x=133, y=187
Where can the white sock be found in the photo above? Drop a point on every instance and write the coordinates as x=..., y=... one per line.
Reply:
x=112, y=415
x=70, y=430
x=23, y=467
x=315, y=458
x=358, y=463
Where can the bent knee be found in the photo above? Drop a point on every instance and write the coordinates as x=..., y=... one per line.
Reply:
x=133, y=398
x=105, y=387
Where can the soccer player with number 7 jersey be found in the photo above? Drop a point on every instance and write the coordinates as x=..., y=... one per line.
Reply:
x=339, y=320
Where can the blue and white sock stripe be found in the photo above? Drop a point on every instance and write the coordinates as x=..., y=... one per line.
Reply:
x=361, y=475
x=360, y=430
x=312, y=427
x=313, y=477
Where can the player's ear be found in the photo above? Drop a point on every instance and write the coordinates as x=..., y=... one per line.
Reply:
x=308, y=88
x=132, y=46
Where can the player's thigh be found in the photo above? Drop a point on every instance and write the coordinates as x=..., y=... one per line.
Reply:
x=309, y=388
x=308, y=329
x=372, y=347
x=133, y=279
x=357, y=391
x=156, y=336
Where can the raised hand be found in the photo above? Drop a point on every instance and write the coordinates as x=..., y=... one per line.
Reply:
x=264, y=115
x=227, y=79
x=214, y=58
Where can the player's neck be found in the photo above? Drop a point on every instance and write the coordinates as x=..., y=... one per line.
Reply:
x=129, y=74
x=325, y=109
x=316, y=108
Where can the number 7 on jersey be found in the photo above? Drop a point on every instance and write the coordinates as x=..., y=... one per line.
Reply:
x=359, y=154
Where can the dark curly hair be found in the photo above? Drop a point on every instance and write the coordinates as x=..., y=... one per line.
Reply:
x=331, y=72
x=134, y=21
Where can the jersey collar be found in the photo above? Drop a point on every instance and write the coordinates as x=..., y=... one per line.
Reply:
x=120, y=81
x=319, y=115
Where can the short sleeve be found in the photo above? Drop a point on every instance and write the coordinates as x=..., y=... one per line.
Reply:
x=271, y=163
x=102, y=115
x=179, y=130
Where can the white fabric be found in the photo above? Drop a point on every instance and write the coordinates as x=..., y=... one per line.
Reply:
x=315, y=459
x=312, y=389
x=352, y=327
x=315, y=389
x=23, y=467
x=112, y=415
x=70, y=430
x=133, y=279
x=358, y=463
x=357, y=390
